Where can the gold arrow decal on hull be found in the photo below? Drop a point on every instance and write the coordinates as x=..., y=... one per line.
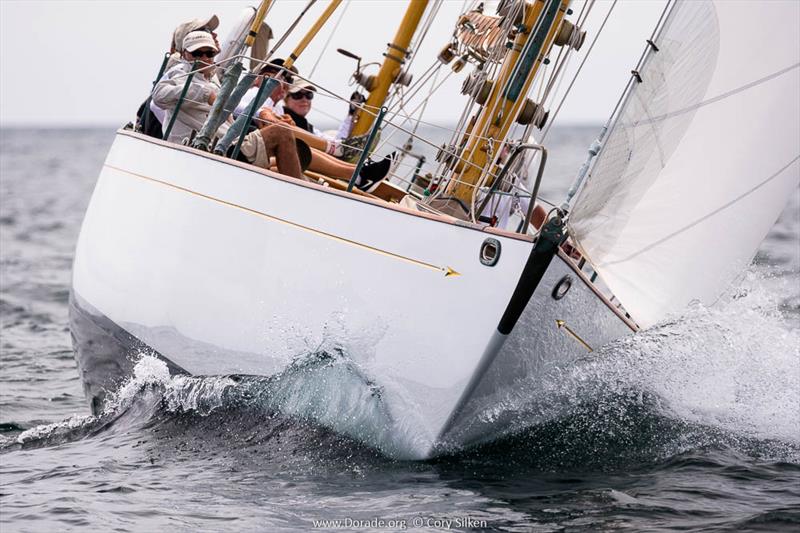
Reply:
x=563, y=325
x=448, y=271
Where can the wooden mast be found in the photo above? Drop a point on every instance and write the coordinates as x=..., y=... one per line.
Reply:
x=392, y=65
x=508, y=94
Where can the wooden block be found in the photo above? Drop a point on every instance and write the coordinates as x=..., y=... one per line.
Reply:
x=388, y=191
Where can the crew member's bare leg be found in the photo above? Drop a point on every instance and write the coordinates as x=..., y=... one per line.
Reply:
x=330, y=166
x=281, y=137
x=279, y=143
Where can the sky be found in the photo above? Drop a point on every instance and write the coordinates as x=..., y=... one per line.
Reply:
x=91, y=63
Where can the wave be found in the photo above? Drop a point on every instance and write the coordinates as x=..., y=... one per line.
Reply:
x=726, y=376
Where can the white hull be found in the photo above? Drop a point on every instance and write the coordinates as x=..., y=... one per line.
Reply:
x=223, y=269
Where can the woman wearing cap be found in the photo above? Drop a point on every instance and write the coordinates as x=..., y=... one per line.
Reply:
x=297, y=104
x=296, y=107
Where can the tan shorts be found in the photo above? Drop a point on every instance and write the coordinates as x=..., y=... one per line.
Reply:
x=254, y=150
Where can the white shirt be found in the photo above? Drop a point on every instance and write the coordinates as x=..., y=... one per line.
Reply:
x=195, y=107
x=249, y=96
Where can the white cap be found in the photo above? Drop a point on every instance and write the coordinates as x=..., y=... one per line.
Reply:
x=302, y=85
x=199, y=39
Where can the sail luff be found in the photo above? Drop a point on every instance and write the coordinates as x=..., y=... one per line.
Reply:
x=596, y=148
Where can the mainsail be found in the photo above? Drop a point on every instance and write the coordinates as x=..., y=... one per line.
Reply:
x=703, y=156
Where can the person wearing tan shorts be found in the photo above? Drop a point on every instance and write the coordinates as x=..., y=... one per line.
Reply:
x=273, y=146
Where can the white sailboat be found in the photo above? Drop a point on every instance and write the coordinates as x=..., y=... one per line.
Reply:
x=210, y=264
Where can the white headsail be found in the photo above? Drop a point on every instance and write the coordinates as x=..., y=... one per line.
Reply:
x=702, y=158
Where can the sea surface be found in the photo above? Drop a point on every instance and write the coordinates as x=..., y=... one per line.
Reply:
x=693, y=425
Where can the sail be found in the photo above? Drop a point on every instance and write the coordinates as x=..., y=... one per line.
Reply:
x=701, y=161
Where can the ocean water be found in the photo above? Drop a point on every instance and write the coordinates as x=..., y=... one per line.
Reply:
x=693, y=425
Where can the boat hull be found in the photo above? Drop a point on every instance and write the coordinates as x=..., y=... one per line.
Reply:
x=223, y=269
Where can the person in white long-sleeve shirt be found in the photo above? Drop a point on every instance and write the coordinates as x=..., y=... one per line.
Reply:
x=274, y=101
x=208, y=25
x=202, y=91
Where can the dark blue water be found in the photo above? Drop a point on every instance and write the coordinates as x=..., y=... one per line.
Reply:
x=692, y=425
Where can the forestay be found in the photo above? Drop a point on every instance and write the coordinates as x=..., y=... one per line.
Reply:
x=701, y=160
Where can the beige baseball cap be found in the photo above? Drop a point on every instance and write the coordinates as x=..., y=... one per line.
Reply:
x=199, y=39
x=180, y=33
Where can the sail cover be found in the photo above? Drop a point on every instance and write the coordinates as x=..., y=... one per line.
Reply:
x=701, y=161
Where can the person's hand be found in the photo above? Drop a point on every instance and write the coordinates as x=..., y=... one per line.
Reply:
x=288, y=120
x=212, y=98
x=265, y=116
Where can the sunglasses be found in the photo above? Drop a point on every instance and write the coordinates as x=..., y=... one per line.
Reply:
x=201, y=53
x=308, y=95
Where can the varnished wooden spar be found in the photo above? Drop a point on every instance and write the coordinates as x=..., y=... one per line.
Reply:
x=312, y=33
x=508, y=94
x=392, y=65
x=257, y=20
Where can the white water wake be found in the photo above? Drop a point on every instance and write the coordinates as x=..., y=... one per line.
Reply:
x=725, y=374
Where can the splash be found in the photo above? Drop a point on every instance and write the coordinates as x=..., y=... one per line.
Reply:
x=734, y=366
x=729, y=373
x=178, y=393
x=325, y=389
x=724, y=375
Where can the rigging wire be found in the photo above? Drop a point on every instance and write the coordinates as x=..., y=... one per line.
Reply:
x=417, y=122
x=423, y=104
x=425, y=28
x=645, y=54
x=611, y=123
x=399, y=90
x=577, y=72
x=330, y=37
x=487, y=169
x=401, y=128
x=291, y=28
x=449, y=168
x=417, y=85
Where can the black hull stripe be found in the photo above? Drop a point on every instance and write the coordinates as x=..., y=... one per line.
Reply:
x=535, y=268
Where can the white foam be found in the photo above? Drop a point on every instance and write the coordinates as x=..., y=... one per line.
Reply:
x=45, y=430
x=734, y=366
x=149, y=370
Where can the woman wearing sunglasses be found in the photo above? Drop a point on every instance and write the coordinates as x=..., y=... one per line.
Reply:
x=297, y=104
